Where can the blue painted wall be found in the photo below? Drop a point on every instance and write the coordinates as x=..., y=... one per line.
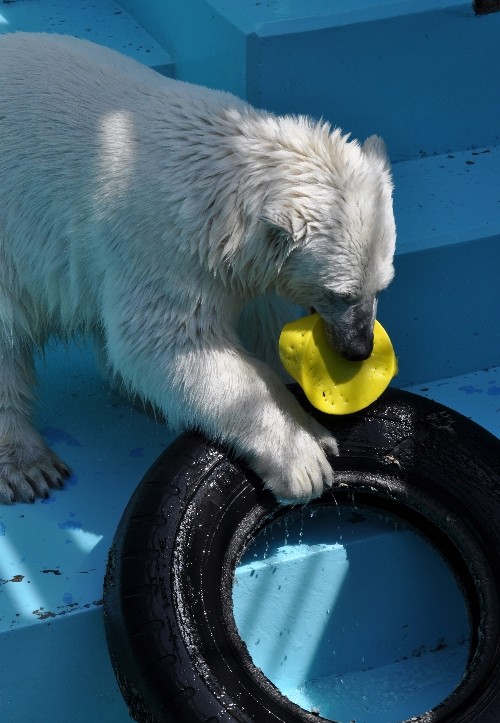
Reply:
x=413, y=78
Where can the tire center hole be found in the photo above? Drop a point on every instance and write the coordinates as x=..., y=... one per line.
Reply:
x=352, y=614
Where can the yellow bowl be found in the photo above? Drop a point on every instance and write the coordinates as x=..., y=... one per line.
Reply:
x=331, y=383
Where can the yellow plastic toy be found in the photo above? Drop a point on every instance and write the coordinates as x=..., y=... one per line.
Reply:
x=331, y=383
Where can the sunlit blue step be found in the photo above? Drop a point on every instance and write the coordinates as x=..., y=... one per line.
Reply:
x=475, y=395
x=53, y=553
x=104, y=22
x=358, y=69
x=351, y=615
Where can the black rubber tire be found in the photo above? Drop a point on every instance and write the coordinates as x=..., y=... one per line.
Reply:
x=167, y=598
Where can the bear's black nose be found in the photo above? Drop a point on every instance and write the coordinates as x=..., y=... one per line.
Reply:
x=359, y=350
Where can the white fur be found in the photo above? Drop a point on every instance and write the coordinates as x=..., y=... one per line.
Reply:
x=150, y=212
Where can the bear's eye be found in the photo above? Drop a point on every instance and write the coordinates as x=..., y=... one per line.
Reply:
x=336, y=303
x=346, y=299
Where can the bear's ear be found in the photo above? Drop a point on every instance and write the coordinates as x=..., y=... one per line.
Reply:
x=290, y=223
x=375, y=150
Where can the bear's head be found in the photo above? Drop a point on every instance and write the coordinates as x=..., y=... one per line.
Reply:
x=332, y=214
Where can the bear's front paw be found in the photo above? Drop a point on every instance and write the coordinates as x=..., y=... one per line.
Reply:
x=324, y=438
x=29, y=473
x=305, y=471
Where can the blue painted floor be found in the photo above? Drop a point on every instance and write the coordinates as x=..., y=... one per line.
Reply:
x=103, y=22
x=53, y=552
x=475, y=395
x=440, y=311
x=352, y=615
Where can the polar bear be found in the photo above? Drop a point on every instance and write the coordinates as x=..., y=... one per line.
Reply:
x=152, y=213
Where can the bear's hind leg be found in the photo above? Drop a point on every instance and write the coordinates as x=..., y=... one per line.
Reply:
x=28, y=468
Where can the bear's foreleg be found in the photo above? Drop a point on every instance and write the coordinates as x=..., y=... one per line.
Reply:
x=242, y=402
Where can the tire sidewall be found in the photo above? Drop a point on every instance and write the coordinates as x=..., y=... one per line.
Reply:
x=168, y=603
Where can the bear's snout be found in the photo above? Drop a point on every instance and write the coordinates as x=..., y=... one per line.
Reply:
x=351, y=332
x=359, y=350
x=353, y=345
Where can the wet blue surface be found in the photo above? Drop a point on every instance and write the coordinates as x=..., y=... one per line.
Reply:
x=474, y=395
x=108, y=445
x=53, y=552
x=352, y=615
x=103, y=22
x=412, y=83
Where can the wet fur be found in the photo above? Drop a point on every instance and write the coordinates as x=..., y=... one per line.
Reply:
x=157, y=216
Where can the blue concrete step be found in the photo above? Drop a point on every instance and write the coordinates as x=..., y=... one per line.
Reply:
x=104, y=22
x=412, y=83
x=475, y=395
x=421, y=73
x=447, y=206
x=59, y=671
x=441, y=310
x=381, y=657
x=53, y=553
